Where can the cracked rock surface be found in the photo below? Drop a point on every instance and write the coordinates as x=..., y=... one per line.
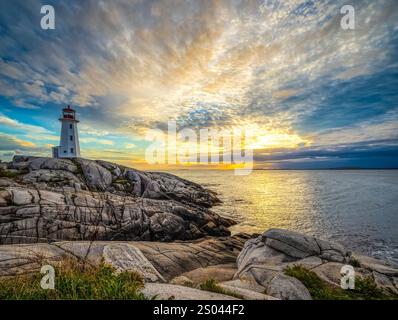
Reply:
x=157, y=261
x=46, y=199
x=245, y=266
x=263, y=260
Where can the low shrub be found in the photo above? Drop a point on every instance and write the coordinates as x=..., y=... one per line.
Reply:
x=365, y=288
x=75, y=281
x=212, y=286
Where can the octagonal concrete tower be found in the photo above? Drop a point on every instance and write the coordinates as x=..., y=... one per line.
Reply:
x=69, y=143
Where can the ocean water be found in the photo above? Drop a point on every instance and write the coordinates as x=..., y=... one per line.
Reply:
x=358, y=208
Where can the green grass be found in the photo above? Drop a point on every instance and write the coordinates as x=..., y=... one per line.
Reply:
x=75, y=281
x=8, y=174
x=127, y=185
x=212, y=286
x=354, y=262
x=365, y=288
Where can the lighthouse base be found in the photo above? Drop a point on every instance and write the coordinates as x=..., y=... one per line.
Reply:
x=57, y=153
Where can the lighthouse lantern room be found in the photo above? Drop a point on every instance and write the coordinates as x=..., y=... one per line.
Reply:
x=69, y=143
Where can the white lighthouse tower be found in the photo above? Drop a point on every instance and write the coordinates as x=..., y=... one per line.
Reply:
x=69, y=143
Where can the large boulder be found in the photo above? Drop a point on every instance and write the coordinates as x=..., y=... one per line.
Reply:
x=125, y=257
x=287, y=288
x=51, y=164
x=54, y=177
x=376, y=265
x=263, y=260
x=291, y=243
x=183, y=190
x=97, y=177
x=175, y=259
x=329, y=272
x=385, y=283
x=257, y=252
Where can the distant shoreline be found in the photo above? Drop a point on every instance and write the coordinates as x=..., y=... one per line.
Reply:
x=320, y=169
x=323, y=169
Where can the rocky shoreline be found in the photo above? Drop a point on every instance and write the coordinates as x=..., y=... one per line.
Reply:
x=160, y=226
x=46, y=199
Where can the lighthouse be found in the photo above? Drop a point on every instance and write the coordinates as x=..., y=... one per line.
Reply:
x=69, y=143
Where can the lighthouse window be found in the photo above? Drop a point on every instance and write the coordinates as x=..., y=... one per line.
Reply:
x=71, y=138
x=71, y=150
x=70, y=126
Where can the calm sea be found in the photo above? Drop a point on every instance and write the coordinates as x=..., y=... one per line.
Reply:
x=358, y=208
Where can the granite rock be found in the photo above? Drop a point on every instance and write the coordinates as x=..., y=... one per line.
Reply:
x=163, y=291
x=156, y=261
x=264, y=260
x=80, y=199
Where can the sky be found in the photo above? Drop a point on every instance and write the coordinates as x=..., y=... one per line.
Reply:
x=312, y=94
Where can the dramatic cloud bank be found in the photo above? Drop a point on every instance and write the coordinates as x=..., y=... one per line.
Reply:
x=315, y=95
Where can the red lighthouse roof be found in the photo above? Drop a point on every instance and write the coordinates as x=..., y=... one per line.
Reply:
x=68, y=114
x=68, y=109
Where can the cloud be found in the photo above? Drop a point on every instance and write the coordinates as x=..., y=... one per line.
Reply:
x=130, y=145
x=42, y=137
x=226, y=54
x=379, y=149
x=11, y=143
x=21, y=127
x=96, y=140
x=131, y=66
x=86, y=129
x=362, y=132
